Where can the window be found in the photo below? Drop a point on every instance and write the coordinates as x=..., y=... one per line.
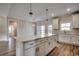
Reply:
x=38, y=30
x=41, y=30
x=11, y=29
x=65, y=26
x=50, y=30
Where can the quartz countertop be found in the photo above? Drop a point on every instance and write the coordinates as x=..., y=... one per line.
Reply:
x=31, y=38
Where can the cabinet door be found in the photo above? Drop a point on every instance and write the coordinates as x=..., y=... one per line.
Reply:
x=55, y=23
x=77, y=40
x=73, y=39
x=40, y=50
x=46, y=48
x=75, y=21
x=29, y=44
x=54, y=42
x=66, y=39
x=61, y=38
x=50, y=44
x=30, y=52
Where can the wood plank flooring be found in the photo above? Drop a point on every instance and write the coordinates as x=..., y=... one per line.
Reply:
x=8, y=53
x=65, y=50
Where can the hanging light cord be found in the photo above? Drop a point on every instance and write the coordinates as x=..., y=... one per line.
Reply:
x=47, y=14
x=30, y=7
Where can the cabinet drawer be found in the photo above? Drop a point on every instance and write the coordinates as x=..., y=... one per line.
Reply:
x=29, y=44
x=30, y=52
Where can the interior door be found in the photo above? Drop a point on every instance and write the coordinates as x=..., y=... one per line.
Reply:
x=12, y=31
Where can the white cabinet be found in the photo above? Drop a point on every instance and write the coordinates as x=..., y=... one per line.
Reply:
x=38, y=47
x=70, y=39
x=55, y=23
x=30, y=52
x=46, y=48
x=51, y=44
x=29, y=44
x=67, y=38
x=48, y=45
x=75, y=39
x=40, y=50
x=54, y=41
x=64, y=38
x=61, y=38
x=75, y=21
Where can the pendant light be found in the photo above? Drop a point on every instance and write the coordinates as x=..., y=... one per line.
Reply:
x=30, y=13
x=47, y=14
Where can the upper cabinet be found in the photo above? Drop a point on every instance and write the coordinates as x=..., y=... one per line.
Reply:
x=55, y=23
x=75, y=21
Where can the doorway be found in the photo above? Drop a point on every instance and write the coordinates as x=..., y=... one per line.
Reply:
x=12, y=31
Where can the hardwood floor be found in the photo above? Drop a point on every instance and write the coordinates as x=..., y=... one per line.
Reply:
x=60, y=50
x=8, y=53
x=65, y=50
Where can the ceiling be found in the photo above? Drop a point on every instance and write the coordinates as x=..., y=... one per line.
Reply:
x=21, y=10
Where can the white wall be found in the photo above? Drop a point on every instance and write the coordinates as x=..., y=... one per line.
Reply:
x=3, y=29
x=3, y=34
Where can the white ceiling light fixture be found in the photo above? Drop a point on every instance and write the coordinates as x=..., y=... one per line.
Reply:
x=68, y=9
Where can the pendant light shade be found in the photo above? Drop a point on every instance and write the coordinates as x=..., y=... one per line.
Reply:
x=30, y=13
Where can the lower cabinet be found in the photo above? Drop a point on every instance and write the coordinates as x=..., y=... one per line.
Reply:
x=64, y=38
x=43, y=48
x=35, y=51
x=61, y=38
x=47, y=50
x=30, y=52
x=40, y=50
x=50, y=45
x=70, y=39
x=77, y=40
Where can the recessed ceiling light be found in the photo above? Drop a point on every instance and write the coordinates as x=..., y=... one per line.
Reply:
x=68, y=9
x=53, y=15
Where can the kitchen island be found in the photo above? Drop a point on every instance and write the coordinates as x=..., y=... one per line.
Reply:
x=35, y=45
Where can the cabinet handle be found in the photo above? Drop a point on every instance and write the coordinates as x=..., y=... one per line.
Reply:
x=37, y=49
x=49, y=43
x=31, y=44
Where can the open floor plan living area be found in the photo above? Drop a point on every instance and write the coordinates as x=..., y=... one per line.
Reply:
x=39, y=29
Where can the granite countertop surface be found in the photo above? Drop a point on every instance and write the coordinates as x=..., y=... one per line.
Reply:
x=31, y=38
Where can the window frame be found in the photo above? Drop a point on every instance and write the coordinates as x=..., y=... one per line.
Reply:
x=50, y=28
x=65, y=26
